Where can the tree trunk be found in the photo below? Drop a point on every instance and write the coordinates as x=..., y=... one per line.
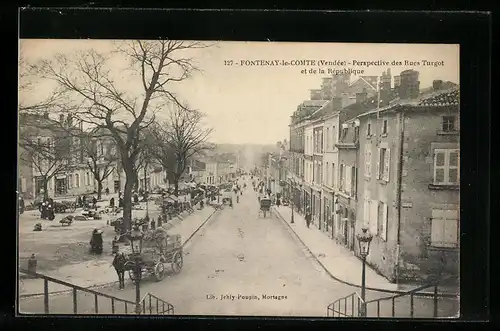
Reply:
x=99, y=188
x=176, y=185
x=45, y=190
x=127, y=200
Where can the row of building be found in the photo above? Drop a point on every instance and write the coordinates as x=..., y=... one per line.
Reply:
x=65, y=161
x=385, y=157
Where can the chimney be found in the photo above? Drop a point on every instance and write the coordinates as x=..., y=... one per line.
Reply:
x=316, y=94
x=410, y=86
x=336, y=103
x=361, y=96
x=437, y=85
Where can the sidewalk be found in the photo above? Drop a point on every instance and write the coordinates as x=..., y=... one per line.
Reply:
x=84, y=274
x=337, y=260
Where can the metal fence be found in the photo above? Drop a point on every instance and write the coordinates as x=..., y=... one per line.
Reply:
x=87, y=301
x=416, y=303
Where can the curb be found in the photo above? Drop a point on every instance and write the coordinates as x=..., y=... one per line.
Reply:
x=422, y=293
x=24, y=296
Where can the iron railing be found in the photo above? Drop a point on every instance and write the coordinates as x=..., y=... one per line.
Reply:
x=348, y=306
x=155, y=306
x=115, y=305
x=414, y=302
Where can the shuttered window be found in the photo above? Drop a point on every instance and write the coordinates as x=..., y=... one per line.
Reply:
x=387, y=164
x=348, y=180
x=382, y=217
x=444, y=228
x=368, y=160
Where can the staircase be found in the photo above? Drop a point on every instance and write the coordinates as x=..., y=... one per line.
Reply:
x=80, y=300
x=423, y=302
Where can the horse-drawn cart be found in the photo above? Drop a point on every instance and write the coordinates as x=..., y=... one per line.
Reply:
x=265, y=205
x=158, y=249
x=64, y=206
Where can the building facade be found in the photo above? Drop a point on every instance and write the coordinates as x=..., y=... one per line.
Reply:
x=408, y=186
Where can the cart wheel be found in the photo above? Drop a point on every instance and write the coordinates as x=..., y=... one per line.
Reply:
x=177, y=262
x=159, y=271
x=129, y=266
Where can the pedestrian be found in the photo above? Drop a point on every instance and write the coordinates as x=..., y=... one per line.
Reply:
x=107, y=191
x=308, y=217
x=84, y=201
x=119, y=265
x=94, y=203
x=278, y=202
x=112, y=202
x=120, y=202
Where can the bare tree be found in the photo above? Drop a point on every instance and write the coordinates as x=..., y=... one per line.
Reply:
x=90, y=81
x=101, y=157
x=178, y=139
x=48, y=152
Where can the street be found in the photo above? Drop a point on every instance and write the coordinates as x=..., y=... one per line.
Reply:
x=239, y=263
x=229, y=266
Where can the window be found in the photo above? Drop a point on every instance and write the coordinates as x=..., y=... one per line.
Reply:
x=444, y=228
x=333, y=176
x=383, y=164
x=341, y=177
x=70, y=180
x=327, y=138
x=368, y=160
x=334, y=138
x=320, y=169
x=368, y=129
x=382, y=217
x=77, y=180
x=356, y=134
x=446, y=164
x=327, y=173
x=344, y=134
x=348, y=180
x=384, y=127
x=448, y=124
x=353, y=190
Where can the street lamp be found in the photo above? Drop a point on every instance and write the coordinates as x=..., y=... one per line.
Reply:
x=136, y=264
x=364, y=240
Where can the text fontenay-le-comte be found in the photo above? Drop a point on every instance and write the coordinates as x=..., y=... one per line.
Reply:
x=363, y=63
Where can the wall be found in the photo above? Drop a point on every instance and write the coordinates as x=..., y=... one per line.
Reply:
x=383, y=253
x=420, y=132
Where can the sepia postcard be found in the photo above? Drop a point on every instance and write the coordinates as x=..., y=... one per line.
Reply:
x=178, y=177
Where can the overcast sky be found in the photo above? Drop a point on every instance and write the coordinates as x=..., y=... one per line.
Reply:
x=253, y=104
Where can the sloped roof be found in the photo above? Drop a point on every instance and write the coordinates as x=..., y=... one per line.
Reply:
x=441, y=98
x=450, y=97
